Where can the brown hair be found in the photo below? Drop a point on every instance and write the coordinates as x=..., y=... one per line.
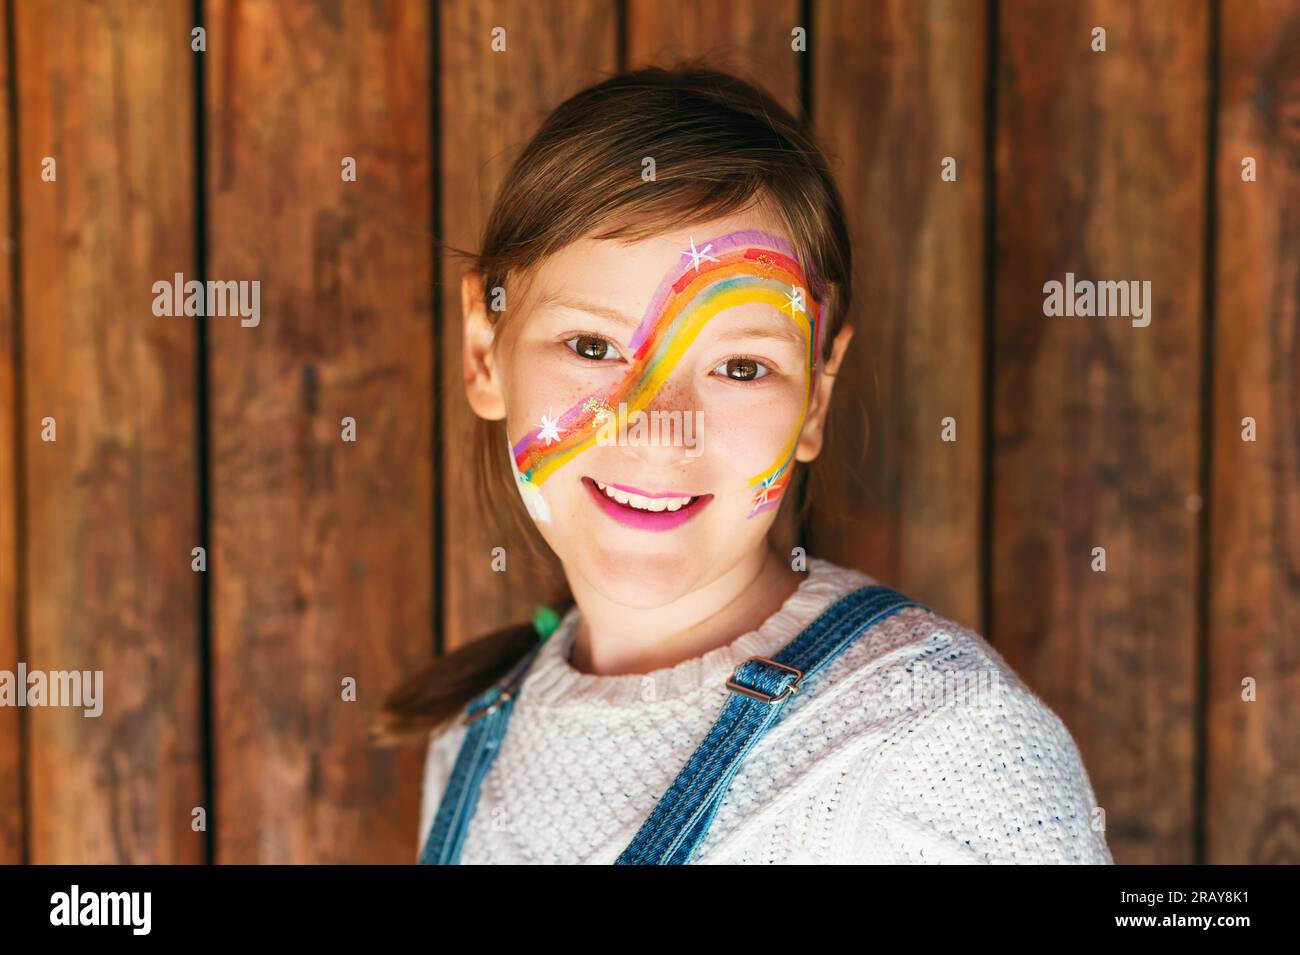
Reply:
x=720, y=145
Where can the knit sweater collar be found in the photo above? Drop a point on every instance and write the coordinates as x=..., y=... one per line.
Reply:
x=553, y=681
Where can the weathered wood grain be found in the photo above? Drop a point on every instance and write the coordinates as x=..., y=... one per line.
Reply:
x=1096, y=442
x=111, y=506
x=322, y=548
x=751, y=40
x=11, y=771
x=1252, y=810
x=896, y=88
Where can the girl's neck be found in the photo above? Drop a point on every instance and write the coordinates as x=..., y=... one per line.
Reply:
x=612, y=639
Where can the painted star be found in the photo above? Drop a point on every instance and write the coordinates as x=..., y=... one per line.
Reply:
x=794, y=302
x=760, y=497
x=549, y=428
x=698, y=254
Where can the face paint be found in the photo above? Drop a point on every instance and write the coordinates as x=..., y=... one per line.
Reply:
x=538, y=509
x=735, y=269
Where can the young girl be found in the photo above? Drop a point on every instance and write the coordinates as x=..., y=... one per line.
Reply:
x=652, y=334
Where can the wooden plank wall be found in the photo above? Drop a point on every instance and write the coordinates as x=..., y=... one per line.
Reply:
x=111, y=506
x=1252, y=751
x=322, y=549
x=1096, y=439
x=898, y=87
x=11, y=772
x=333, y=560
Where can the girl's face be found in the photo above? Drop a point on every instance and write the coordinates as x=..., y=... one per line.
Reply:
x=656, y=396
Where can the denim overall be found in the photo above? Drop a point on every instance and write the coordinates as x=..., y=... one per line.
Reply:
x=678, y=823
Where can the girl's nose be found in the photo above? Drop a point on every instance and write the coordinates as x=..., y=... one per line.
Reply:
x=671, y=428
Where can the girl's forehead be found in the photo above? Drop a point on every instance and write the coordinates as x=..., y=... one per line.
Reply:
x=629, y=273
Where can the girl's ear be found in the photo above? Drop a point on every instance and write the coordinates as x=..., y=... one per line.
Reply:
x=814, y=431
x=482, y=379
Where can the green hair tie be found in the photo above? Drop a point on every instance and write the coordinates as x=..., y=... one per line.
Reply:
x=545, y=622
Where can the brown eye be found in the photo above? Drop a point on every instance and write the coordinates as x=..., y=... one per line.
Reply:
x=593, y=347
x=741, y=369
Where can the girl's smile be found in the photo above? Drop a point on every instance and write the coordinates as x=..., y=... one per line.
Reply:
x=645, y=510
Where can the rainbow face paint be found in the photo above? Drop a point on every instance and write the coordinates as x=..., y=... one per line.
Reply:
x=717, y=275
x=536, y=504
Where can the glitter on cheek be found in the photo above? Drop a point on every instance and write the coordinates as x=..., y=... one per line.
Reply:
x=599, y=410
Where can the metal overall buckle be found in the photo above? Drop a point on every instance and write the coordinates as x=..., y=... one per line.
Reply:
x=759, y=694
x=503, y=697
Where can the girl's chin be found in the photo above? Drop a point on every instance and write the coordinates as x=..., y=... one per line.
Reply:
x=642, y=582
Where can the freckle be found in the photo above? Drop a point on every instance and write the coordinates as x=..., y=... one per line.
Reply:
x=670, y=395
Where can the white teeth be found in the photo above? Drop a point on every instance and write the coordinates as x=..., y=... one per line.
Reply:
x=644, y=503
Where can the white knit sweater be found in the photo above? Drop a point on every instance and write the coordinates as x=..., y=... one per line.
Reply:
x=918, y=744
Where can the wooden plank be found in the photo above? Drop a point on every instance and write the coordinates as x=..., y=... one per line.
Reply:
x=491, y=104
x=751, y=40
x=1253, y=748
x=321, y=547
x=897, y=87
x=1101, y=166
x=11, y=775
x=112, y=506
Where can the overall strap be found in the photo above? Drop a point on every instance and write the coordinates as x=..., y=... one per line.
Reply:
x=487, y=716
x=760, y=687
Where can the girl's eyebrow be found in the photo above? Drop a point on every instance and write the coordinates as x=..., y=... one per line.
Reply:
x=591, y=308
x=777, y=331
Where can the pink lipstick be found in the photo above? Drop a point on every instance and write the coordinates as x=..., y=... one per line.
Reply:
x=636, y=518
